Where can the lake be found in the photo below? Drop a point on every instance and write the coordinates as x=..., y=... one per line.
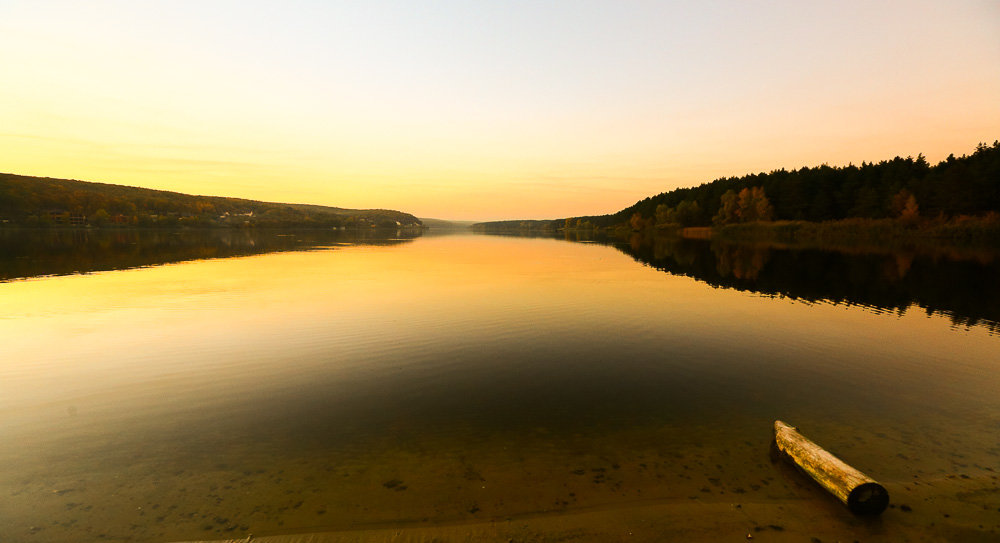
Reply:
x=180, y=386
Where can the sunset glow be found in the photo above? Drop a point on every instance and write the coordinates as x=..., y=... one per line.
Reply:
x=463, y=110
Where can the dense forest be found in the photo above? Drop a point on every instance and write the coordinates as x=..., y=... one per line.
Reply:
x=908, y=189
x=37, y=201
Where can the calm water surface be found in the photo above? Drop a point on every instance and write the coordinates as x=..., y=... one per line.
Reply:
x=233, y=384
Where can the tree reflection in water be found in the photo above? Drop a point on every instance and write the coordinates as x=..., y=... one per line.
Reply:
x=28, y=253
x=959, y=283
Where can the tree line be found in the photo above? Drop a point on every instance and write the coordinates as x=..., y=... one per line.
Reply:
x=901, y=188
x=36, y=201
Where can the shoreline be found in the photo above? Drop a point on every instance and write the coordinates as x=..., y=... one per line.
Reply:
x=812, y=515
x=959, y=231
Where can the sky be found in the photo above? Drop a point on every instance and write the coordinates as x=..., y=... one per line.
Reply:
x=474, y=110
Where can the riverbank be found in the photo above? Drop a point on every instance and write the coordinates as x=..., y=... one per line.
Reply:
x=813, y=516
x=676, y=520
x=957, y=231
x=962, y=231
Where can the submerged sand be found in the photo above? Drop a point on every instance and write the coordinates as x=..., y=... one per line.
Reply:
x=640, y=484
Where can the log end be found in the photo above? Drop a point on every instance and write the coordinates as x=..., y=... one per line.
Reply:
x=868, y=499
x=781, y=426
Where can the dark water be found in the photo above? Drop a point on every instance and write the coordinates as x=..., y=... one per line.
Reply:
x=296, y=383
x=961, y=284
x=31, y=253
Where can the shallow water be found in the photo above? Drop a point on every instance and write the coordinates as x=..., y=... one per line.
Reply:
x=441, y=380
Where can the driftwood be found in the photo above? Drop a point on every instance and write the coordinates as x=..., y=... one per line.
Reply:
x=860, y=492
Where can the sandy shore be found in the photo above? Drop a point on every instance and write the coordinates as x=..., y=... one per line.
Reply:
x=813, y=516
x=641, y=487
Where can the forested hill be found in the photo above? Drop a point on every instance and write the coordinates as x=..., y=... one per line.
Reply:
x=967, y=186
x=41, y=201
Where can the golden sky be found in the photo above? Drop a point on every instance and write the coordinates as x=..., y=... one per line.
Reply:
x=485, y=110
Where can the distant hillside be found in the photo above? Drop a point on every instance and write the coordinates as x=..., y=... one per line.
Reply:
x=42, y=201
x=520, y=226
x=441, y=224
x=908, y=188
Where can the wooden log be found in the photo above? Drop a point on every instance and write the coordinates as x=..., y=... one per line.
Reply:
x=860, y=492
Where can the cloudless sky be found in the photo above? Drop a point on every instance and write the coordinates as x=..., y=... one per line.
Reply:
x=485, y=110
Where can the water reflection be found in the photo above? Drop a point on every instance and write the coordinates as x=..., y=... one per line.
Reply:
x=960, y=284
x=32, y=253
x=472, y=379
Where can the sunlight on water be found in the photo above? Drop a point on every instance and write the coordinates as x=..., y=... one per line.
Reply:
x=466, y=378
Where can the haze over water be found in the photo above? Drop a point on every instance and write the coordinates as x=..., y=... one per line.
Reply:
x=342, y=384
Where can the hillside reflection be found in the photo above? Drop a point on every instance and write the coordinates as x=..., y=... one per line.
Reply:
x=960, y=284
x=32, y=253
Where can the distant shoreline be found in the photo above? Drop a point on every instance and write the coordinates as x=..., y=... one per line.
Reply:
x=9, y=227
x=43, y=202
x=961, y=231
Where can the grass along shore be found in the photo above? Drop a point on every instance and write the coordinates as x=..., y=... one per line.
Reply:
x=961, y=230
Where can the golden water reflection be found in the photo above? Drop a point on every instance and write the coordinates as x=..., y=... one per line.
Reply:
x=468, y=378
